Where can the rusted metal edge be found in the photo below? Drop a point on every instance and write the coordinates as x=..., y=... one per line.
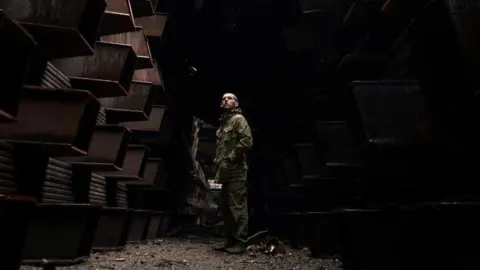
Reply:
x=150, y=130
x=115, y=165
x=22, y=41
x=118, y=114
x=116, y=22
x=31, y=141
x=142, y=8
x=121, y=176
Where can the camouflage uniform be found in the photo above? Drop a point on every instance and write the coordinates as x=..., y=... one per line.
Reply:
x=234, y=139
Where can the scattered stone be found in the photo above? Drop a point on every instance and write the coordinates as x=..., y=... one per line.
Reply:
x=181, y=253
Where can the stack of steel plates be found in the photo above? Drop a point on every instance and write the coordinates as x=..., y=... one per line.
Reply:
x=310, y=163
x=102, y=117
x=122, y=195
x=54, y=78
x=97, y=193
x=57, y=187
x=8, y=183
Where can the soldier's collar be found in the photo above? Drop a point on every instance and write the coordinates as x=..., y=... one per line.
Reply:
x=227, y=114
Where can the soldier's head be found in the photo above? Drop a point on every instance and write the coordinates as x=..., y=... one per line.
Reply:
x=229, y=101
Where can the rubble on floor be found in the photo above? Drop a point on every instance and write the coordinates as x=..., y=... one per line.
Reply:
x=196, y=253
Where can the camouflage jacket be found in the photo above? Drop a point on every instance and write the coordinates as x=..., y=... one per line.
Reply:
x=234, y=139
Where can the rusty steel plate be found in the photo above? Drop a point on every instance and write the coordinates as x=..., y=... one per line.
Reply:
x=392, y=112
x=62, y=28
x=8, y=176
x=308, y=158
x=134, y=107
x=151, y=75
x=16, y=51
x=152, y=174
x=153, y=124
x=133, y=165
x=107, y=73
x=107, y=149
x=89, y=187
x=54, y=78
x=57, y=185
x=153, y=26
x=121, y=198
x=139, y=43
x=102, y=117
x=41, y=127
x=140, y=222
x=142, y=8
x=118, y=18
x=335, y=140
x=155, y=220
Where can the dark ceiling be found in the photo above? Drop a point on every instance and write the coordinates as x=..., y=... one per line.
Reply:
x=235, y=46
x=289, y=60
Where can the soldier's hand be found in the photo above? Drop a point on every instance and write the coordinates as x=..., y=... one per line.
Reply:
x=231, y=158
x=224, y=163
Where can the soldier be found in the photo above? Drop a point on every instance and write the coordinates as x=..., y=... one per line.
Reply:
x=234, y=139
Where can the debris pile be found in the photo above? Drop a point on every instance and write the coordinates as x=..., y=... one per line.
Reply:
x=197, y=253
x=270, y=245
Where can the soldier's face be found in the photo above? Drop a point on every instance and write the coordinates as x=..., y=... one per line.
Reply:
x=229, y=101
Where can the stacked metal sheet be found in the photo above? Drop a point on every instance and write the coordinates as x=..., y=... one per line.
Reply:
x=57, y=187
x=122, y=195
x=102, y=117
x=97, y=193
x=7, y=171
x=308, y=159
x=54, y=78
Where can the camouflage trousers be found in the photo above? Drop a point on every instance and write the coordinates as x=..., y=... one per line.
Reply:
x=234, y=210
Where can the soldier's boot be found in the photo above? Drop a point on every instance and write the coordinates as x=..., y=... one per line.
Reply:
x=238, y=248
x=224, y=245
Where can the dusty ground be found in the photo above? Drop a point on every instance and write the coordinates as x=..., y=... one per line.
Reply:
x=197, y=253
